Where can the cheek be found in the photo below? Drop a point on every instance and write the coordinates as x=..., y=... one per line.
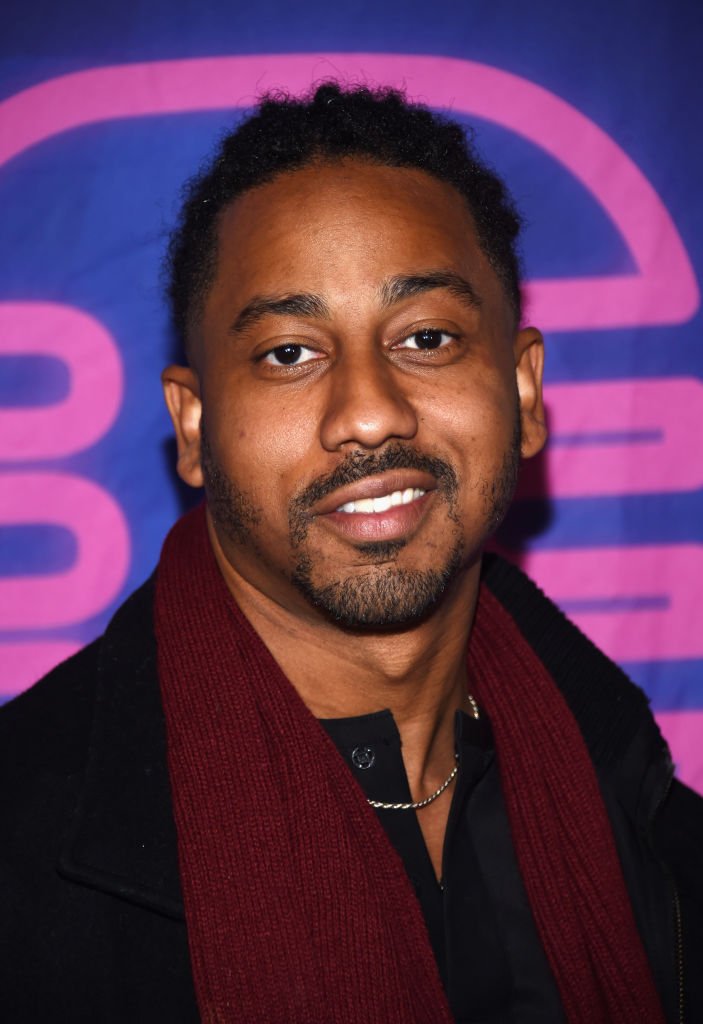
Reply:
x=263, y=448
x=477, y=421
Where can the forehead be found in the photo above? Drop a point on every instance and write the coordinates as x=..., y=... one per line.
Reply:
x=341, y=228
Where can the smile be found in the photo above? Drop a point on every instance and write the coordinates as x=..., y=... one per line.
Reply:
x=381, y=507
x=369, y=506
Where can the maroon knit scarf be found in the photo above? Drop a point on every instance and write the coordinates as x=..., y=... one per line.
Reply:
x=298, y=908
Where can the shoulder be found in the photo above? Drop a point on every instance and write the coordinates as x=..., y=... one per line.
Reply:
x=613, y=714
x=44, y=744
x=49, y=736
x=679, y=837
x=657, y=822
x=49, y=722
x=610, y=709
x=45, y=731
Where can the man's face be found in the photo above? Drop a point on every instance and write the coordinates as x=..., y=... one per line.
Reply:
x=363, y=393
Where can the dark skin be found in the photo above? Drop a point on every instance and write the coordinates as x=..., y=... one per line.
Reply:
x=289, y=389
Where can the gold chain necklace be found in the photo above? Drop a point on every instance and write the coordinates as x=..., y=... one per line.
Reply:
x=381, y=806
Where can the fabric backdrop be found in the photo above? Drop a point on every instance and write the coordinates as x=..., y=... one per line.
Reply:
x=591, y=112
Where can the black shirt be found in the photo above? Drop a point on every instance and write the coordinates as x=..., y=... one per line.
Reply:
x=478, y=918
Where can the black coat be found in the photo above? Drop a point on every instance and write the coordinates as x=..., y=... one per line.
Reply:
x=91, y=916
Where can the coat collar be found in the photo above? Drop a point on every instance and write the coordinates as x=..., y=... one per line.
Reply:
x=122, y=838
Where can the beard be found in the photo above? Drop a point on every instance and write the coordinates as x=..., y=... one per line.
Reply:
x=231, y=509
x=385, y=596
x=382, y=598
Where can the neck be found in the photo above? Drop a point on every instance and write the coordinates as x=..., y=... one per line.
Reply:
x=418, y=673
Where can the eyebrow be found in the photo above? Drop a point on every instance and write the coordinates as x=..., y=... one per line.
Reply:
x=395, y=289
x=302, y=304
x=405, y=286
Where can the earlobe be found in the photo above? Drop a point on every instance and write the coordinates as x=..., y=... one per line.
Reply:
x=182, y=394
x=529, y=369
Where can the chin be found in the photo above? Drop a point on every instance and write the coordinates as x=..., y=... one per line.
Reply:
x=380, y=598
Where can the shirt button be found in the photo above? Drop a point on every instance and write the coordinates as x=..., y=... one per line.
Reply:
x=363, y=757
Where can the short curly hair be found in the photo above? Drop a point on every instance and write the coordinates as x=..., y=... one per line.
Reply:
x=332, y=123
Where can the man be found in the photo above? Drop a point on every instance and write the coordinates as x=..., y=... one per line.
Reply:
x=330, y=763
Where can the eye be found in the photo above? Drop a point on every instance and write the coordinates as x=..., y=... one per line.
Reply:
x=289, y=355
x=427, y=339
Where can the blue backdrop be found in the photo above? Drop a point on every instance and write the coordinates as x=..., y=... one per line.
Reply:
x=592, y=117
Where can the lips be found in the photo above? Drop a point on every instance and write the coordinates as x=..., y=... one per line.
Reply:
x=373, y=487
x=385, y=507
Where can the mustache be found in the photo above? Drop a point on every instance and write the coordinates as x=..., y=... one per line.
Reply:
x=359, y=465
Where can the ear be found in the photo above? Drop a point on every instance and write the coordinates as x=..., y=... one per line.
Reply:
x=529, y=367
x=182, y=393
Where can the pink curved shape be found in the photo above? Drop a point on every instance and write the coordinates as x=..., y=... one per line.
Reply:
x=668, y=574
x=656, y=417
x=662, y=291
x=22, y=663
x=102, y=561
x=96, y=380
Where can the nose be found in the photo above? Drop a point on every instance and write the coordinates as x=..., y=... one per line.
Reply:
x=366, y=405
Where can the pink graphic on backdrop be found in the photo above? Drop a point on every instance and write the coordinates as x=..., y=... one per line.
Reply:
x=95, y=375
x=93, y=517
x=24, y=663
x=634, y=602
x=619, y=437
x=662, y=291
x=102, y=560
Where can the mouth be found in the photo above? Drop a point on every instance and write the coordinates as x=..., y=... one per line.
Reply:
x=367, y=506
x=389, y=506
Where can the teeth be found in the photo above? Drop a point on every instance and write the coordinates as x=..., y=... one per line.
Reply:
x=382, y=504
x=366, y=506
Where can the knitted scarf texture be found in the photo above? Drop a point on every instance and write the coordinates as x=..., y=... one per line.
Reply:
x=298, y=909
